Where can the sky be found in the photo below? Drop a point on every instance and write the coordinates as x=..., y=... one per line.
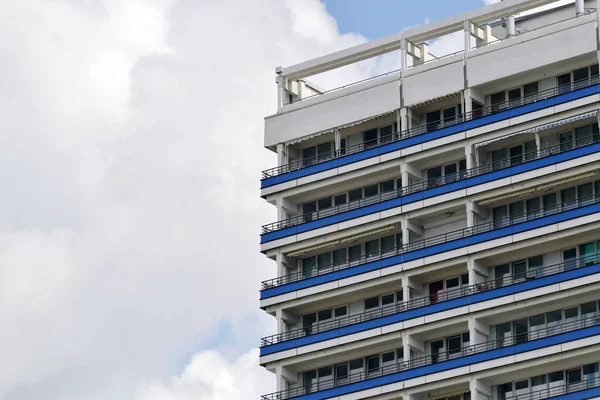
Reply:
x=130, y=157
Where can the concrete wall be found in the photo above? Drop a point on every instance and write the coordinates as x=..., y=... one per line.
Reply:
x=545, y=46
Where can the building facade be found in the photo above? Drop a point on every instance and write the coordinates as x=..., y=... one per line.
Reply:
x=438, y=226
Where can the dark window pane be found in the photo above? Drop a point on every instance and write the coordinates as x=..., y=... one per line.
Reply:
x=387, y=357
x=400, y=354
x=339, y=256
x=530, y=89
x=356, y=364
x=324, y=372
x=387, y=299
x=497, y=98
x=354, y=252
x=594, y=70
x=355, y=194
x=522, y=385
x=324, y=260
x=538, y=380
x=580, y=74
x=387, y=186
x=387, y=243
x=537, y=320
x=324, y=203
x=372, y=303
x=453, y=344
x=372, y=247
x=588, y=308
x=341, y=371
x=340, y=311
x=555, y=376
x=370, y=137
x=372, y=363
x=309, y=207
x=325, y=315
x=371, y=190
x=340, y=199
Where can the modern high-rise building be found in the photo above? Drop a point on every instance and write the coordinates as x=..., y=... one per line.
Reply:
x=438, y=226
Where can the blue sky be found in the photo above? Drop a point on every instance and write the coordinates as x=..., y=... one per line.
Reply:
x=377, y=18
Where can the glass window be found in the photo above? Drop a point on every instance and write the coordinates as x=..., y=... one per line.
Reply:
x=400, y=354
x=340, y=199
x=500, y=215
x=387, y=243
x=454, y=344
x=585, y=193
x=537, y=321
x=594, y=70
x=520, y=385
x=571, y=314
x=324, y=260
x=341, y=371
x=530, y=150
x=450, y=173
x=387, y=357
x=309, y=154
x=574, y=376
x=324, y=372
x=550, y=201
x=325, y=315
x=308, y=266
x=339, y=256
x=514, y=95
x=496, y=100
x=373, y=302
x=517, y=210
x=387, y=186
x=533, y=208
x=555, y=376
x=356, y=364
x=355, y=194
x=587, y=253
x=568, y=196
x=370, y=137
x=340, y=311
x=564, y=83
x=309, y=207
x=372, y=363
x=530, y=89
x=434, y=173
x=449, y=114
x=504, y=391
x=516, y=155
x=570, y=258
x=372, y=247
x=385, y=133
x=538, y=380
x=588, y=308
x=324, y=203
x=580, y=74
x=354, y=252
x=371, y=190
x=499, y=159
x=387, y=299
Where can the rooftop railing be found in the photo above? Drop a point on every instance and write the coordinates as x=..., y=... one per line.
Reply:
x=571, y=387
x=436, y=358
x=427, y=300
x=431, y=183
x=432, y=241
x=433, y=126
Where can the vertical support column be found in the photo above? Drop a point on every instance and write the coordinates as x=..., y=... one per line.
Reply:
x=467, y=34
x=468, y=107
x=284, y=375
x=338, y=140
x=404, y=118
x=469, y=156
x=280, y=80
x=281, y=325
x=407, y=283
x=477, y=273
x=538, y=141
x=480, y=390
x=410, y=342
x=399, y=120
x=510, y=26
x=579, y=7
x=478, y=331
x=282, y=158
x=470, y=213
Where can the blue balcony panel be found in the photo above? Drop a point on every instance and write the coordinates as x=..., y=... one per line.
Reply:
x=433, y=308
x=429, y=193
x=426, y=137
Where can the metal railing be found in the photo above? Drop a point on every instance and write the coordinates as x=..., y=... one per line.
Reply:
x=432, y=183
x=430, y=299
x=436, y=358
x=432, y=126
x=432, y=241
x=586, y=383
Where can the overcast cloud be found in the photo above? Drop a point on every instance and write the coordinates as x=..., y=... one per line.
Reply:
x=130, y=157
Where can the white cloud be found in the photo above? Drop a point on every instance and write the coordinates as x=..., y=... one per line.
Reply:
x=130, y=158
x=210, y=376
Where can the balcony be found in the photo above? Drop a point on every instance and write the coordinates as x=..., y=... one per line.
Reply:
x=494, y=349
x=512, y=165
x=562, y=390
x=431, y=303
x=432, y=130
x=433, y=245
